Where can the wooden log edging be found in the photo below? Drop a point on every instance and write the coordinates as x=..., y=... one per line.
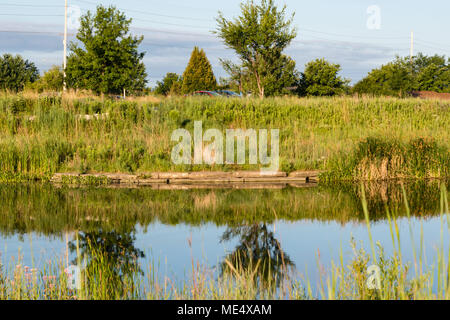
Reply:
x=189, y=178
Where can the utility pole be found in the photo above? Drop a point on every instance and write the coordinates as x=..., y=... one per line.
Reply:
x=411, y=53
x=65, y=46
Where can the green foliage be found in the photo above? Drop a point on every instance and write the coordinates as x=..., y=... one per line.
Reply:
x=283, y=76
x=108, y=60
x=399, y=77
x=177, y=88
x=320, y=78
x=171, y=84
x=382, y=159
x=259, y=36
x=42, y=136
x=198, y=74
x=434, y=75
x=393, y=79
x=52, y=80
x=15, y=72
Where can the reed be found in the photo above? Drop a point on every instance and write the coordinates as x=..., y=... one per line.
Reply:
x=349, y=138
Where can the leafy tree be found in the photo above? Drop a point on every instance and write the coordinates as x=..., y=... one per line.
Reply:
x=394, y=78
x=434, y=78
x=421, y=61
x=15, y=72
x=176, y=88
x=239, y=78
x=52, y=80
x=430, y=73
x=320, y=78
x=170, y=81
x=108, y=61
x=198, y=74
x=259, y=36
x=236, y=75
x=284, y=75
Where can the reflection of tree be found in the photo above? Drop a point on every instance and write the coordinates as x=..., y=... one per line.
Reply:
x=257, y=250
x=111, y=259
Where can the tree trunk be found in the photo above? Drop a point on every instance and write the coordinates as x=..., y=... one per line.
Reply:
x=260, y=87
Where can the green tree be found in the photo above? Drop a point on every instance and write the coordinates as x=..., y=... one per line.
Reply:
x=198, y=74
x=177, y=88
x=170, y=81
x=320, y=78
x=259, y=36
x=284, y=75
x=431, y=73
x=108, y=61
x=52, y=80
x=401, y=76
x=434, y=78
x=15, y=72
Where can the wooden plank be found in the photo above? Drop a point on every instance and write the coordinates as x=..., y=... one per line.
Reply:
x=192, y=178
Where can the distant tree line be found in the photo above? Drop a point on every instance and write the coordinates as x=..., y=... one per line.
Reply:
x=402, y=76
x=106, y=60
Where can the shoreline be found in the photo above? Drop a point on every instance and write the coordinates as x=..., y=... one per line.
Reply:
x=160, y=180
x=203, y=179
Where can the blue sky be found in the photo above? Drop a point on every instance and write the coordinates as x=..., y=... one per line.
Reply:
x=335, y=30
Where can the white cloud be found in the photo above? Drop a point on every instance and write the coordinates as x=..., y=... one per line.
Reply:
x=169, y=51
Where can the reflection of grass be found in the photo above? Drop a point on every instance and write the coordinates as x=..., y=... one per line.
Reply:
x=351, y=138
x=400, y=279
x=121, y=209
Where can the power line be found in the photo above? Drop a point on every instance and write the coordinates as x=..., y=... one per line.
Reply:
x=202, y=27
x=432, y=47
x=344, y=42
x=30, y=5
x=347, y=35
x=34, y=32
x=31, y=15
x=432, y=43
x=182, y=33
x=207, y=35
x=169, y=24
x=301, y=42
x=149, y=13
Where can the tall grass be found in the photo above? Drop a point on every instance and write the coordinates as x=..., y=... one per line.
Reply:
x=349, y=138
x=106, y=278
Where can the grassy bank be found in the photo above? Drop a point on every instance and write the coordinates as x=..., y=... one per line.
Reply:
x=349, y=138
x=240, y=277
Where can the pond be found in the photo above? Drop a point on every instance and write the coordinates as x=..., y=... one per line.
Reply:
x=173, y=230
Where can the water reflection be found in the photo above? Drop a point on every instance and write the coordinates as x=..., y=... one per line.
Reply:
x=51, y=211
x=111, y=252
x=106, y=221
x=258, y=253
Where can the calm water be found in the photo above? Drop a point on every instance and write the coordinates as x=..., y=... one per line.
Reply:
x=172, y=228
